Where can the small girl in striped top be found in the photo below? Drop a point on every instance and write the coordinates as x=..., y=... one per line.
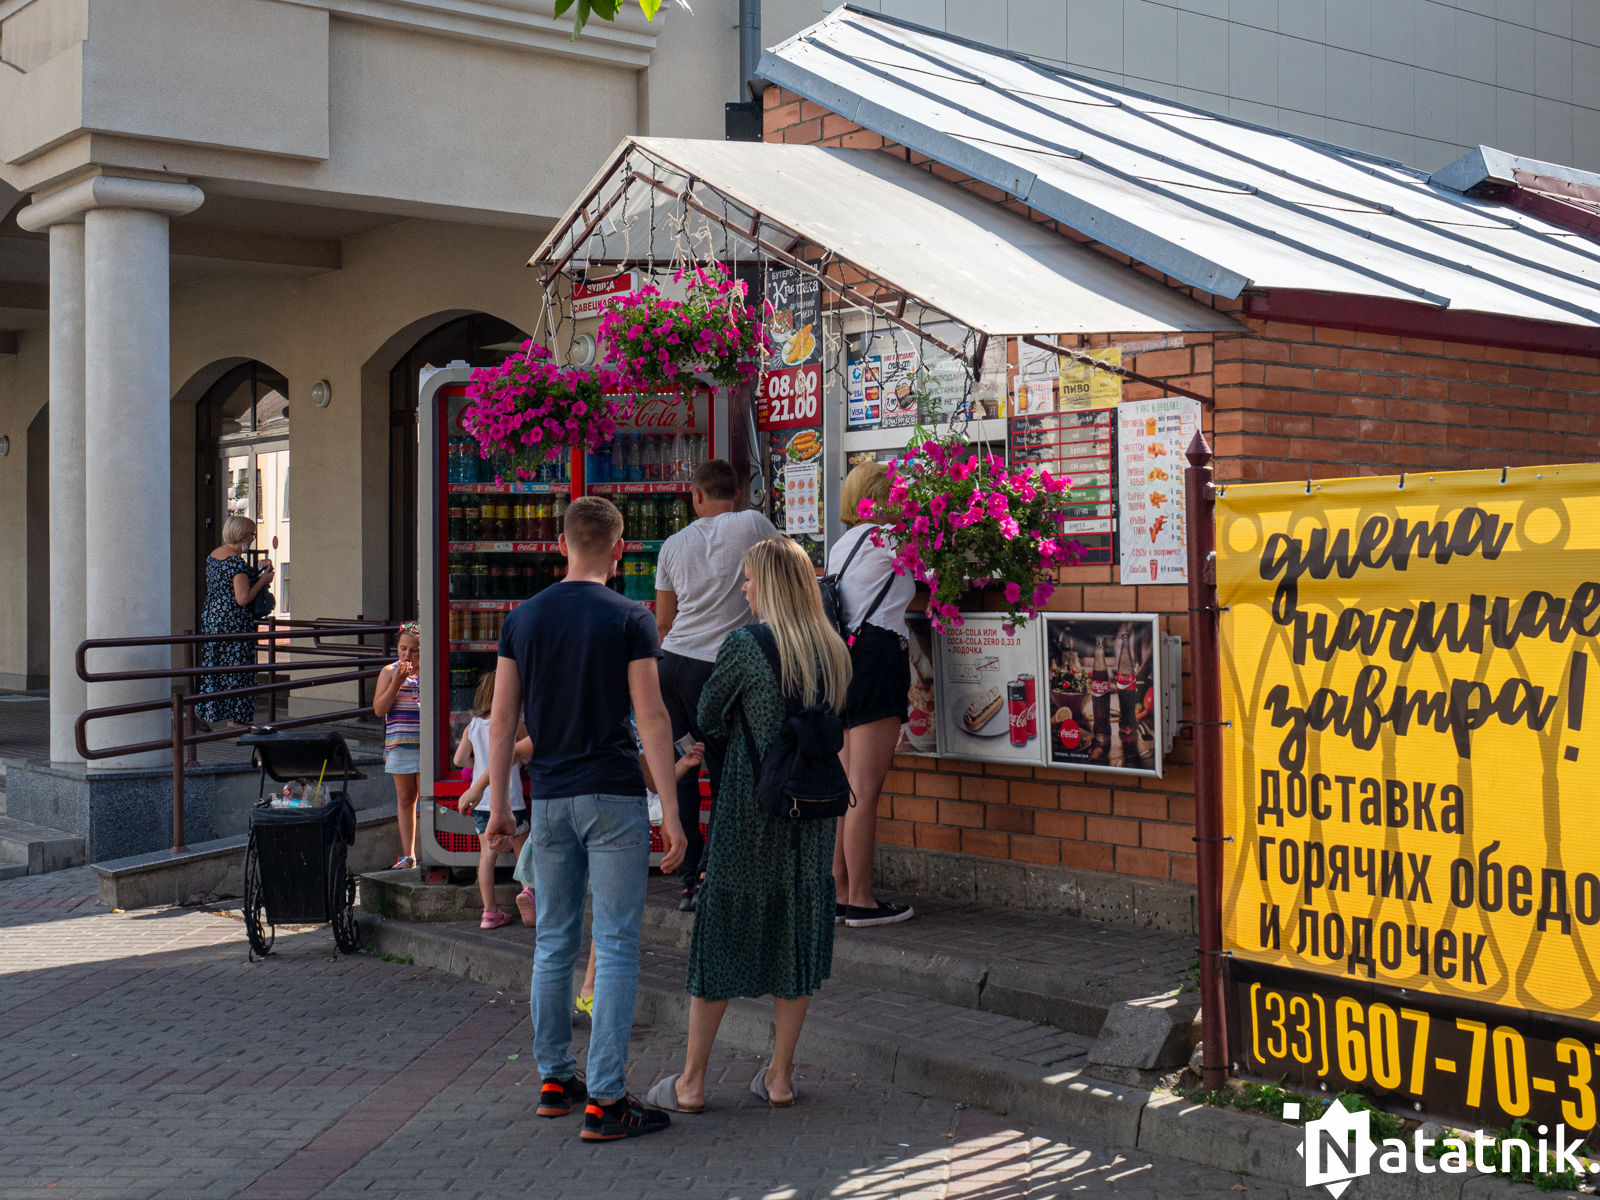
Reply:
x=399, y=702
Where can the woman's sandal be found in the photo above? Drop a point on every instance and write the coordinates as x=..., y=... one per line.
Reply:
x=404, y=863
x=665, y=1095
x=758, y=1085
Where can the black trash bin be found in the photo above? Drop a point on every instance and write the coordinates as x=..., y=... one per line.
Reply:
x=295, y=869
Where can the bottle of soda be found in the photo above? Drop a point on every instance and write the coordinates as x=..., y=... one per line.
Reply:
x=618, y=468
x=649, y=520
x=635, y=466
x=1127, y=703
x=561, y=514
x=470, y=523
x=1100, y=691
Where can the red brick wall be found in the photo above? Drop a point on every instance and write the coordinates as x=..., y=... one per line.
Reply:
x=1289, y=399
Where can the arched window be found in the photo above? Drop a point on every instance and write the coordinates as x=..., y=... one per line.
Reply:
x=477, y=339
x=242, y=466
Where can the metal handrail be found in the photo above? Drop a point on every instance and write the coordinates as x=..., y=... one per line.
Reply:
x=185, y=737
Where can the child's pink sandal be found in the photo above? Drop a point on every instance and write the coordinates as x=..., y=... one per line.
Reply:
x=526, y=906
x=493, y=919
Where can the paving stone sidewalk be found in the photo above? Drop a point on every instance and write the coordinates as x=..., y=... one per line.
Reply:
x=142, y=1056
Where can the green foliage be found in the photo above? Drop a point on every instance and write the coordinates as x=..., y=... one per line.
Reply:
x=402, y=959
x=606, y=10
x=1189, y=977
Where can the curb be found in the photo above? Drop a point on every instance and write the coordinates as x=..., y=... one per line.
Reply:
x=1101, y=1112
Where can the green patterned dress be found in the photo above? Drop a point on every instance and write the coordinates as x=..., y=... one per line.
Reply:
x=763, y=923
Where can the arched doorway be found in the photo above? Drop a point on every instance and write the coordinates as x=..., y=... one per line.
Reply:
x=476, y=339
x=242, y=466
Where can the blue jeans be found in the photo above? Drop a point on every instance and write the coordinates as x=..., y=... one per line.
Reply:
x=602, y=841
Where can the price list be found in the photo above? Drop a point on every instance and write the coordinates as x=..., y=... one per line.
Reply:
x=1080, y=446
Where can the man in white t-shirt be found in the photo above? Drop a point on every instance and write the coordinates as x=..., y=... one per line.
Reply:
x=700, y=601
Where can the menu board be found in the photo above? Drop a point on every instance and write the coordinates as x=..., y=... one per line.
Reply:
x=794, y=461
x=1105, y=692
x=1152, y=436
x=988, y=691
x=1077, y=445
x=789, y=393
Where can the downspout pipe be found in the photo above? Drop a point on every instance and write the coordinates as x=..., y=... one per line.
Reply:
x=749, y=48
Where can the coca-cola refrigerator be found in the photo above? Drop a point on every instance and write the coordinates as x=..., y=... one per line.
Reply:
x=485, y=546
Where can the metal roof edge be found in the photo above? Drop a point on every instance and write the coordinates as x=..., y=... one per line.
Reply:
x=1105, y=226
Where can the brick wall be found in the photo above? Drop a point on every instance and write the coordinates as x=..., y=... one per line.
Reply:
x=1289, y=399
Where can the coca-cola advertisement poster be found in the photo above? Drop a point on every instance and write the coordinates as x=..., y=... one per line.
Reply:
x=989, y=691
x=1105, y=688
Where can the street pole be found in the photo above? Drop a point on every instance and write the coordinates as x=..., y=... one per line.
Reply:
x=1205, y=677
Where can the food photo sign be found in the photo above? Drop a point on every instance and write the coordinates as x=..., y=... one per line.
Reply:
x=1152, y=437
x=1105, y=692
x=789, y=393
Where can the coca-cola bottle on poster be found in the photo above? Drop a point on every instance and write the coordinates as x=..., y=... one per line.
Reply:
x=1127, y=702
x=1100, y=692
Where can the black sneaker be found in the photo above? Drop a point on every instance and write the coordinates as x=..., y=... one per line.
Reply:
x=558, y=1097
x=686, y=897
x=884, y=914
x=625, y=1118
x=838, y=913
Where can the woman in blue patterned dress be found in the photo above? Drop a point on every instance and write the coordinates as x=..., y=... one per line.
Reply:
x=231, y=588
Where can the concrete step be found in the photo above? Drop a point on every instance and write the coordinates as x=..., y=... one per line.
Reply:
x=1063, y=971
x=39, y=850
x=12, y=870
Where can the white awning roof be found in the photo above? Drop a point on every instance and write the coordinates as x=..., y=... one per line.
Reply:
x=954, y=252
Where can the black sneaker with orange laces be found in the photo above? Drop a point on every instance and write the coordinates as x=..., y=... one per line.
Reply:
x=625, y=1118
x=558, y=1097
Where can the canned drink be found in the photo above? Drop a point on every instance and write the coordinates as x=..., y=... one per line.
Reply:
x=1033, y=705
x=1017, y=711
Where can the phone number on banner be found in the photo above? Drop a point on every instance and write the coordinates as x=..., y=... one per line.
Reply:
x=1482, y=1063
x=790, y=398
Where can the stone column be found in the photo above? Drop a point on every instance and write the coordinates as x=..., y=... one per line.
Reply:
x=116, y=549
x=68, y=693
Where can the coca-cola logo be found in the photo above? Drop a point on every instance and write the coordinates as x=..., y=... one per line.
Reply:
x=1071, y=735
x=1022, y=717
x=919, y=723
x=1124, y=682
x=1099, y=687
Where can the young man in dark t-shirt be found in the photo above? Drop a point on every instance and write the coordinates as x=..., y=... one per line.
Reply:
x=573, y=660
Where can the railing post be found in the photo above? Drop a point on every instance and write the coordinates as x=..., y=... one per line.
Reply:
x=192, y=757
x=178, y=742
x=1205, y=676
x=272, y=665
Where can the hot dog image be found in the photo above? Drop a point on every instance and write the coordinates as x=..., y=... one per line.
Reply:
x=982, y=709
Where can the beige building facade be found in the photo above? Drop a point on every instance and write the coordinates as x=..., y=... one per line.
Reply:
x=212, y=206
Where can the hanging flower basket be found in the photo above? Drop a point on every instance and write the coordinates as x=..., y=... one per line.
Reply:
x=960, y=521
x=658, y=344
x=528, y=410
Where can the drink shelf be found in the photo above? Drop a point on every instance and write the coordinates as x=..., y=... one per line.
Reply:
x=639, y=488
x=505, y=548
x=520, y=488
x=484, y=605
x=639, y=547
x=475, y=646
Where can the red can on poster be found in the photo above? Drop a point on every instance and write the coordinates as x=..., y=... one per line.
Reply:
x=790, y=398
x=1032, y=701
x=1018, y=713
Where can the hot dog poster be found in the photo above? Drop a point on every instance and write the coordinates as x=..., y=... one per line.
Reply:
x=989, y=691
x=1152, y=436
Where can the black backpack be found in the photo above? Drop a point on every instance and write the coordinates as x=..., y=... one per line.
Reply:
x=833, y=596
x=801, y=778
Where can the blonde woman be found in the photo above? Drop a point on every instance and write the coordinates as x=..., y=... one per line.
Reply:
x=875, y=600
x=763, y=923
x=231, y=588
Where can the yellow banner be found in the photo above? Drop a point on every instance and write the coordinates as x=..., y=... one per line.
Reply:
x=1411, y=779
